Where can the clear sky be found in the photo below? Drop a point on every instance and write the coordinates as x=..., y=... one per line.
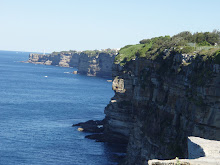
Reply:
x=55, y=25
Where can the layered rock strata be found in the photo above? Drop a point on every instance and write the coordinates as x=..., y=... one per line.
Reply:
x=63, y=59
x=91, y=63
x=96, y=65
x=158, y=104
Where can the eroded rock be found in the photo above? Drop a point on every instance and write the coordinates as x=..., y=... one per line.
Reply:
x=158, y=104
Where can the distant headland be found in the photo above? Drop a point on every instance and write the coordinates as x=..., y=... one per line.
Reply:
x=89, y=62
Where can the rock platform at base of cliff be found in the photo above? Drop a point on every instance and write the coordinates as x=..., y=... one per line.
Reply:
x=96, y=128
x=92, y=126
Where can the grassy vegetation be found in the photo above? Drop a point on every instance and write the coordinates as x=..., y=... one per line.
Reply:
x=127, y=53
x=212, y=54
x=64, y=52
x=187, y=49
x=90, y=53
x=184, y=42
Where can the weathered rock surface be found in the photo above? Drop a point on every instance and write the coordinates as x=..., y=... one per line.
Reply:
x=37, y=58
x=97, y=130
x=91, y=63
x=158, y=104
x=63, y=59
x=91, y=126
x=201, y=152
x=96, y=65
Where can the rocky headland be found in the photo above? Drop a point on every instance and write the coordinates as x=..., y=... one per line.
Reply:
x=156, y=108
x=165, y=91
x=91, y=63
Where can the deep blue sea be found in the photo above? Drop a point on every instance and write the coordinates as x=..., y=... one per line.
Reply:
x=37, y=113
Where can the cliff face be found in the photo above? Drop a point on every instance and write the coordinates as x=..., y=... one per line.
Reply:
x=61, y=59
x=105, y=63
x=87, y=64
x=158, y=104
x=96, y=65
x=37, y=58
x=74, y=60
x=91, y=63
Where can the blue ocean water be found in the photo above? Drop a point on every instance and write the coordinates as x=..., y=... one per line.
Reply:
x=39, y=104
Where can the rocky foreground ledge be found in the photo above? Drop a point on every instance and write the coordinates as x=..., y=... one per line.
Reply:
x=201, y=152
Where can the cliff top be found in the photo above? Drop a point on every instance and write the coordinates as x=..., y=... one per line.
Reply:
x=197, y=44
x=90, y=53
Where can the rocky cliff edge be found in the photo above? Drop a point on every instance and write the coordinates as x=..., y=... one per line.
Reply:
x=91, y=63
x=159, y=102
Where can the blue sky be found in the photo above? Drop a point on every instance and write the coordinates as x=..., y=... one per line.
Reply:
x=55, y=25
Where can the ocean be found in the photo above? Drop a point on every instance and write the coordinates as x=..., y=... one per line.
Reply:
x=39, y=104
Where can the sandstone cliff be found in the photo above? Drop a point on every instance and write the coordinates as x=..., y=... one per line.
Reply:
x=91, y=63
x=63, y=59
x=159, y=102
x=98, y=64
x=37, y=58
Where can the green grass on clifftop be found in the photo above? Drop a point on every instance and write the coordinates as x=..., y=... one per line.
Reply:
x=89, y=53
x=127, y=53
x=199, y=44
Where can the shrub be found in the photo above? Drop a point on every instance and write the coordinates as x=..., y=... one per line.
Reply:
x=185, y=35
x=204, y=43
x=154, y=48
x=145, y=41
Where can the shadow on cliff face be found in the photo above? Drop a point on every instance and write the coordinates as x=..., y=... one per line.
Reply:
x=116, y=152
x=194, y=150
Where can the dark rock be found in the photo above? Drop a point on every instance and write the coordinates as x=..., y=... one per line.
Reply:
x=96, y=127
x=105, y=138
x=91, y=126
x=156, y=107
